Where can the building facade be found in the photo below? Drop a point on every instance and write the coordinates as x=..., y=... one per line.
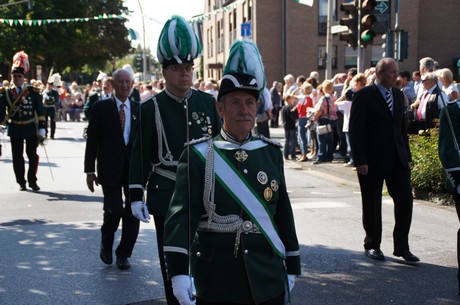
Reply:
x=292, y=37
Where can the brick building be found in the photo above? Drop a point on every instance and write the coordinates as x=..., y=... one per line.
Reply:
x=431, y=26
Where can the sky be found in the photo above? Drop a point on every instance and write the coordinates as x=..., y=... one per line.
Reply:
x=156, y=13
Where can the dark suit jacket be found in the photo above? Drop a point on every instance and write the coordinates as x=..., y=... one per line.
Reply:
x=378, y=138
x=105, y=144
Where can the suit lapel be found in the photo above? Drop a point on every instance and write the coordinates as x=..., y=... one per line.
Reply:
x=133, y=118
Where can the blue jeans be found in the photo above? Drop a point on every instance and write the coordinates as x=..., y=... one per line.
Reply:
x=326, y=142
x=303, y=135
x=347, y=136
x=290, y=141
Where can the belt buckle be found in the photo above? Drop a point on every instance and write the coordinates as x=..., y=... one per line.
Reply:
x=247, y=226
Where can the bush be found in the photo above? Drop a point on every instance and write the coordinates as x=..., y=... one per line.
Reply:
x=428, y=175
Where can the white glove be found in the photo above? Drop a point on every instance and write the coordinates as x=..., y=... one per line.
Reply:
x=291, y=281
x=182, y=286
x=140, y=211
x=42, y=132
x=287, y=294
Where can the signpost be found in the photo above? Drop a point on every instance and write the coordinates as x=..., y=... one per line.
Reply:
x=245, y=29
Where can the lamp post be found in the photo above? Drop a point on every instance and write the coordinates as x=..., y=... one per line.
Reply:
x=144, y=57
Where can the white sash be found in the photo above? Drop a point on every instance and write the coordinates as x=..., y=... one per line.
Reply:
x=237, y=186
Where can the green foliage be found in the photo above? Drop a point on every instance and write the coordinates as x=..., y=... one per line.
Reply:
x=65, y=46
x=427, y=172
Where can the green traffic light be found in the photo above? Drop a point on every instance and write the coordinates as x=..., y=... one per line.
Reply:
x=367, y=36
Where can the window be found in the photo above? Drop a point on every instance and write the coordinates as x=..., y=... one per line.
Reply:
x=322, y=15
x=376, y=54
x=351, y=58
x=322, y=57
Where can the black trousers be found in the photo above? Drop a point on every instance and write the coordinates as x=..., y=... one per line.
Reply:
x=262, y=129
x=17, y=151
x=159, y=227
x=115, y=209
x=279, y=300
x=50, y=115
x=457, y=207
x=400, y=189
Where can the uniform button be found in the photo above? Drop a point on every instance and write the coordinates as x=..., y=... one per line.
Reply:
x=245, y=171
x=198, y=254
x=246, y=251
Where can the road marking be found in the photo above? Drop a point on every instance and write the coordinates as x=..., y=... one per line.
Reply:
x=318, y=205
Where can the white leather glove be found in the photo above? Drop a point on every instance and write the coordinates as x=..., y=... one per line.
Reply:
x=140, y=211
x=291, y=281
x=42, y=132
x=182, y=286
x=287, y=294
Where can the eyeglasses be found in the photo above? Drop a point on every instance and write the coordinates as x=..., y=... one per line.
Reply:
x=181, y=69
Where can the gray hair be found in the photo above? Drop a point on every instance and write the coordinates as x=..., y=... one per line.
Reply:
x=427, y=63
x=117, y=71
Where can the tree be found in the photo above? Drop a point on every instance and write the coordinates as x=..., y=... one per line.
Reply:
x=65, y=46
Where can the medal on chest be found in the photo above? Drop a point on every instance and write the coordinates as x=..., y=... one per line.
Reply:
x=240, y=155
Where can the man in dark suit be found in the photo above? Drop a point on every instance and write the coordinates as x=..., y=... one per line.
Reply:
x=110, y=134
x=381, y=153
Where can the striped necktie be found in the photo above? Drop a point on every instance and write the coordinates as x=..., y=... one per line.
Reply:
x=388, y=99
x=122, y=116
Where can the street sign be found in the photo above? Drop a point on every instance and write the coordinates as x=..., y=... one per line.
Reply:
x=336, y=29
x=245, y=29
x=382, y=12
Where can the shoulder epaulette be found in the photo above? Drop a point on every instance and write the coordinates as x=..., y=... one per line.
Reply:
x=35, y=89
x=269, y=141
x=2, y=89
x=193, y=142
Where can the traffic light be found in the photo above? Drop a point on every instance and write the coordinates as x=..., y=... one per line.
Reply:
x=367, y=35
x=138, y=62
x=351, y=21
x=403, y=45
x=388, y=45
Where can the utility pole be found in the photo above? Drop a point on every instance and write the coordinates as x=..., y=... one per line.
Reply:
x=144, y=50
x=329, y=43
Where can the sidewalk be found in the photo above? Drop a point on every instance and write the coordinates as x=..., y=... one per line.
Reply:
x=334, y=170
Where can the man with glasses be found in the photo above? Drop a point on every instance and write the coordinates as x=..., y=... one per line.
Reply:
x=166, y=121
x=26, y=121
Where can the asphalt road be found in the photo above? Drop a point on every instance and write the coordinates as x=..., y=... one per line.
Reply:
x=50, y=240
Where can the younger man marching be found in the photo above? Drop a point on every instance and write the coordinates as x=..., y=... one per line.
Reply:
x=26, y=121
x=51, y=102
x=231, y=199
x=167, y=120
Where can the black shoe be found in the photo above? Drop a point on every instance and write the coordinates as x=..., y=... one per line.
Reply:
x=375, y=254
x=122, y=263
x=317, y=162
x=106, y=256
x=22, y=187
x=34, y=187
x=407, y=255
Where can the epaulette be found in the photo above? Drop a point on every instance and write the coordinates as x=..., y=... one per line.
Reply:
x=35, y=89
x=193, y=142
x=269, y=141
x=2, y=89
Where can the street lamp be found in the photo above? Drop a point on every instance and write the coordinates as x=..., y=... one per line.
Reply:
x=144, y=59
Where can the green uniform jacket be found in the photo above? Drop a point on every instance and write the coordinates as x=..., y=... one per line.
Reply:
x=151, y=149
x=256, y=274
x=93, y=97
x=27, y=114
x=52, y=102
x=448, y=154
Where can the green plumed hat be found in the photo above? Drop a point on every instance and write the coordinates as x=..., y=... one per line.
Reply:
x=178, y=43
x=245, y=58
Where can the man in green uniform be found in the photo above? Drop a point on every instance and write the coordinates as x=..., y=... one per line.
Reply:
x=449, y=154
x=100, y=93
x=166, y=121
x=231, y=197
x=26, y=121
x=51, y=102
